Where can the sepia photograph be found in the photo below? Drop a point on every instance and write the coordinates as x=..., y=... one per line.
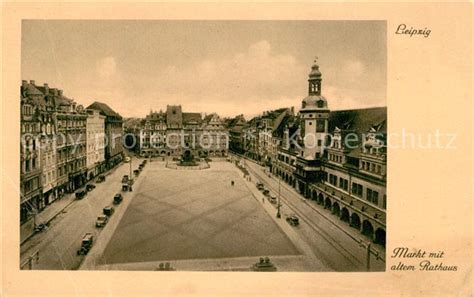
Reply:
x=236, y=149
x=203, y=145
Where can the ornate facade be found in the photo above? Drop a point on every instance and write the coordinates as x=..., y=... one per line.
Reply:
x=173, y=132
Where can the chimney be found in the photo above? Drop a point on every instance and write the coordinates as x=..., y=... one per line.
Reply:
x=60, y=92
x=32, y=82
x=46, y=89
x=24, y=83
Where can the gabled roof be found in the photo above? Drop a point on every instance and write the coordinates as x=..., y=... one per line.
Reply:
x=104, y=109
x=191, y=117
x=280, y=129
x=32, y=90
x=359, y=120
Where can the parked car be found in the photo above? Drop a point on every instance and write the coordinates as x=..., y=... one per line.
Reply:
x=260, y=186
x=136, y=172
x=90, y=187
x=127, y=159
x=86, y=244
x=81, y=194
x=101, y=221
x=100, y=178
x=273, y=199
x=118, y=198
x=126, y=188
x=108, y=210
x=266, y=192
x=293, y=220
x=125, y=179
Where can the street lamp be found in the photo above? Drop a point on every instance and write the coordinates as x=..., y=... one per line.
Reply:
x=279, y=194
x=279, y=204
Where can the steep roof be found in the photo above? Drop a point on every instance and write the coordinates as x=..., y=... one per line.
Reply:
x=191, y=117
x=359, y=120
x=237, y=121
x=280, y=129
x=104, y=109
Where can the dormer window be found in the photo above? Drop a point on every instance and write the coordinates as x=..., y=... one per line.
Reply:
x=320, y=103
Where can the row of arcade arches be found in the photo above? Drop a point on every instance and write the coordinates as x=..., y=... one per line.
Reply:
x=377, y=235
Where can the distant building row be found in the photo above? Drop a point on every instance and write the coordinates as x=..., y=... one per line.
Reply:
x=173, y=132
x=337, y=158
x=62, y=145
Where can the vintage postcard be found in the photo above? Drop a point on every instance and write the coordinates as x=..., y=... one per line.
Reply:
x=237, y=149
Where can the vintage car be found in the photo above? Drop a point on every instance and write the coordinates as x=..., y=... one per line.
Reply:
x=100, y=178
x=125, y=179
x=293, y=220
x=81, y=194
x=86, y=244
x=90, y=187
x=272, y=199
x=118, y=198
x=108, y=210
x=126, y=188
x=260, y=186
x=136, y=172
x=101, y=221
x=266, y=192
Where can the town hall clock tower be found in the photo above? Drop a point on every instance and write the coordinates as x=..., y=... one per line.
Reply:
x=314, y=114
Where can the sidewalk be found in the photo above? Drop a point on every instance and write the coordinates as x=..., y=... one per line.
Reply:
x=54, y=209
x=51, y=211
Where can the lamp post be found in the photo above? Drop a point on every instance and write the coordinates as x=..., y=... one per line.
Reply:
x=130, y=165
x=279, y=204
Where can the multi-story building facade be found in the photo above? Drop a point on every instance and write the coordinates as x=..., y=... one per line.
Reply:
x=31, y=198
x=235, y=126
x=259, y=143
x=113, y=151
x=173, y=132
x=47, y=114
x=71, y=143
x=95, y=143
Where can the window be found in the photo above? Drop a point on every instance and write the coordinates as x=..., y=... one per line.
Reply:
x=357, y=189
x=320, y=142
x=373, y=196
x=333, y=180
x=343, y=183
x=384, y=202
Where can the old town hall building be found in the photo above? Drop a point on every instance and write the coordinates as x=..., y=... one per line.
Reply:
x=337, y=158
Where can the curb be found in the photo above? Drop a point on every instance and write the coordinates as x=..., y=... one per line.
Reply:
x=62, y=209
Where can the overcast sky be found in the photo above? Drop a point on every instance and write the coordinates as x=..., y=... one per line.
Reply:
x=229, y=67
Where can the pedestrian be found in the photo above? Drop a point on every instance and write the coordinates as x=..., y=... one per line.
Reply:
x=263, y=200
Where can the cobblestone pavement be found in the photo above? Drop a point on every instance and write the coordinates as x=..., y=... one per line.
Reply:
x=189, y=214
